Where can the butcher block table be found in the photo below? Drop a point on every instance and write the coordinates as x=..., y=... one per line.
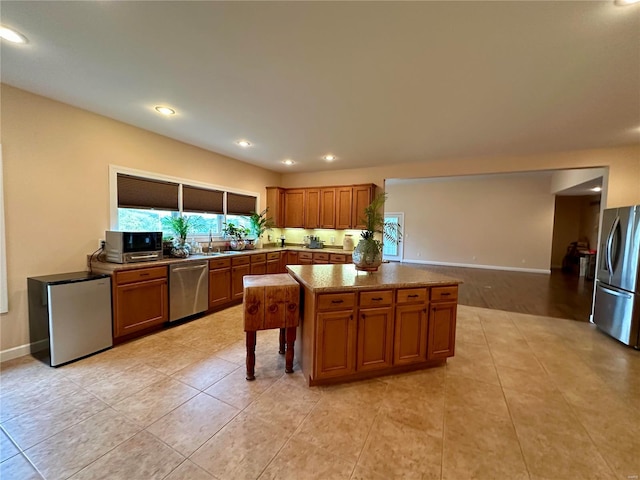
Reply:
x=271, y=301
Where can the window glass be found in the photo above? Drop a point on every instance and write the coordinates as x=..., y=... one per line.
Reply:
x=210, y=223
x=239, y=220
x=142, y=220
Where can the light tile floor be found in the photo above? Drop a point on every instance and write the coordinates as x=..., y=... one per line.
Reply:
x=525, y=397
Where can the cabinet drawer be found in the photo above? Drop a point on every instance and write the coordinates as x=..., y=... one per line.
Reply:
x=219, y=263
x=411, y=295
x=243, y=260
x=337, y=258
x=449, y=293
x=130, y=276
x=380, y=297
x=273, y=256
x=305, y=256
x=260, y=257
x=324, y=257
x=336, y=301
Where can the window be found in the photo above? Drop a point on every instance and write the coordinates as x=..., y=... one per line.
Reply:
x=142, y=203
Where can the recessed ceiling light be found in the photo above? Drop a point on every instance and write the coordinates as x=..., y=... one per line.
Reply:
x=329, y=157
x=596, y=189
x=12, y=36
x=165, y=110
x=622, y=3
x=243, y=143
x=288, y=162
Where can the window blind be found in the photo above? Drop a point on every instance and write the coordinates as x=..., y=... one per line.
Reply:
x=136, y=192
x=240, y=204
x=201, y=200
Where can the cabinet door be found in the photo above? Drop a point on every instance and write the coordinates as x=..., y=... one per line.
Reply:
x=219, y=287
x=328, y=208
x=410, y=344
x=273, y=266
x=442, y=330
x=343, y=207
x=361, y=198
x=140, y=305
x=294, y=208
x=275, y=205
x=312, y=208
x=375, y=338
x=259, y=268
x=237, y=273
x=335, y=347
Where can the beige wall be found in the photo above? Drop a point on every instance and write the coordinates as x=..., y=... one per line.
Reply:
x=503, y=221
x=56, y=166
x=623, y=163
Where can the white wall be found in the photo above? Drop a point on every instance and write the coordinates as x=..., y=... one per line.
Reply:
x=498, y=221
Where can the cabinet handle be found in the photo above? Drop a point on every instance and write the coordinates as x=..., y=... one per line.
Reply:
x=413, y=295
x=446, y=294
x=377, y=299
x=337, y=301
x=144, y=274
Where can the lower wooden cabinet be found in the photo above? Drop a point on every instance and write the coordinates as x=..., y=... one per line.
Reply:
x=140, y=300
x=240, y=266
x=219, y=282
x=375, y=338
x=442, y=330
x=336, y=335
x=410, y=337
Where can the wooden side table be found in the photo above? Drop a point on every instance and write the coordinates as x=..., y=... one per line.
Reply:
x=271, y=301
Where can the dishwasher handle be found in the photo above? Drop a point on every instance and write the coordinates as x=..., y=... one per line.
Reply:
x=193, y=267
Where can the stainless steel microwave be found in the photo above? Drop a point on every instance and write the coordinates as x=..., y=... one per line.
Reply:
x=129, y=247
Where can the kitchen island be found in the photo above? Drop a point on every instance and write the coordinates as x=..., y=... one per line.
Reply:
x=358, y=325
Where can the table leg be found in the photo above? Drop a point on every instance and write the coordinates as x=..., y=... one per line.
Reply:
x=251, y=355
x=282, y=341
x=291, y=338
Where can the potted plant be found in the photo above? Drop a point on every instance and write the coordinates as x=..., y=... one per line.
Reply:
x=181, y=226
x=367, y=255
x=237, y=234
x=259, y=223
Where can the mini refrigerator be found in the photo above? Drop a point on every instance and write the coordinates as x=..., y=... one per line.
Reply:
x=69, y=316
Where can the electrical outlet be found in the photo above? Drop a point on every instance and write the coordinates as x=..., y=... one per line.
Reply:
x=101, y=243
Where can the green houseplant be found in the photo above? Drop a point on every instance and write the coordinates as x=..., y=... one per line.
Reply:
x=259, y=223
x=237, y=234
x=181, y=226
x=367, y=255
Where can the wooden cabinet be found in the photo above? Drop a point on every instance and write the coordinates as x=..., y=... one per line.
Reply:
x=442, y=322
x=360, y=198
x=275, y=205
x=305, y=258
x=294, y=207
x=240, y=266
x=410, y=326
x=273, y=262
x=344, y=197
x=140, y=300
x=336, y=335
x=375, y=331
x=339, y=258
x=312, y=208
x=219, y=282
x=258, y=263
x=320, y=258
x=328, y=208
x=340, y=207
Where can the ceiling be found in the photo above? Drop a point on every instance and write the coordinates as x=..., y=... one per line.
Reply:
x=371, y=82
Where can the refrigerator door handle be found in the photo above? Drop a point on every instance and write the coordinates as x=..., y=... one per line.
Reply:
x=614, y=292
x=608, y=258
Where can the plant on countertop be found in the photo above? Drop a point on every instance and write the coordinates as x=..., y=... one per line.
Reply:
x=260, y=222
x=368, y=254
x=237, y=234
x=181, y=226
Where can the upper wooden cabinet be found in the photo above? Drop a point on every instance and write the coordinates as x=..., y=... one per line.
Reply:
x=340, y=207
x=294, y=207
x=312, y=208
x=275, y=204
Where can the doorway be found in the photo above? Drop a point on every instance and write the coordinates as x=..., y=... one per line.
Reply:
x=392, y=248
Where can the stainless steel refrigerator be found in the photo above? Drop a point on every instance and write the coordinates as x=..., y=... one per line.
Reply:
x=617, y=300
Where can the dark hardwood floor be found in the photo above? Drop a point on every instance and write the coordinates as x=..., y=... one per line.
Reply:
x=561, y=295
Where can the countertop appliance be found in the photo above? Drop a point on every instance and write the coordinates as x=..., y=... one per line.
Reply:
x=128, y=247
x=188, y=289
x=617, y=300
x=72, y=313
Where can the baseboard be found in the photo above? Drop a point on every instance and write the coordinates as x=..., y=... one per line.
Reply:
x=483, y=267
x=26, y=349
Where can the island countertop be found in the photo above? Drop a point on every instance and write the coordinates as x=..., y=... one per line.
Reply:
x=342, y=278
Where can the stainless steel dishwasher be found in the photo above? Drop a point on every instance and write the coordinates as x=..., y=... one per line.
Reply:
x=188, y=289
